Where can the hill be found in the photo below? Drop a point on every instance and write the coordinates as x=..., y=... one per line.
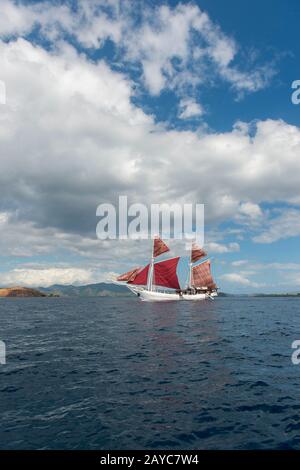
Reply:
x=91, y=290
x=20, y=292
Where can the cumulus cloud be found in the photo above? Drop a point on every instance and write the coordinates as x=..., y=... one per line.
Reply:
x=214, y=247
x=14, y=19
x=73, y=118
x=239, y=278
x=285, y=225
x=71, y=136
x=250, y=210
x=175, y=48
x=46, y=277
x=167, y=44
x=18, y=18
x=189, y=109
x=84, y=142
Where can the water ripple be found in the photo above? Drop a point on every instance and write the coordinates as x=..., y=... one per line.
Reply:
x=118, y=374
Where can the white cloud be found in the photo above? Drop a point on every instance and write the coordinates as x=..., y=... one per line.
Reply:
x=189, y=108
x=169, y=35
x=84, y=142
x=293, y=279
x=282, y=266
x=164, y=41
x=214, y=247
x=46, y=277
x=250, y=210
x=275, y=266
x=14, y=19
x=285, y=225
x=92, y=26
x=4, y=217
x=238, y=278
x=240, y=262
x=19, y=18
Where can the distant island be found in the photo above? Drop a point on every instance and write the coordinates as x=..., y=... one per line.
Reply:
x=20, y=292
x=100, y=289
x=282, y=294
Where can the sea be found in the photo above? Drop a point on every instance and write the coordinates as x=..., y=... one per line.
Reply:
x=118, y=373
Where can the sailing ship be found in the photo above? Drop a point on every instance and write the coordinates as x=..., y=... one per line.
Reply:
x=158, y=280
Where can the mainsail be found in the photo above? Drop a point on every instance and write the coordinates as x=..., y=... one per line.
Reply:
x=197, y=253
x=165, y=273
x=201, y=275
x=129, y=276
x=159, y=247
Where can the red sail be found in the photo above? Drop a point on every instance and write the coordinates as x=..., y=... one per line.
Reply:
x=159, y=247
x=197, y=253
x=201, y=276
x=165, y=273
x=128, y=276
x=141, y=278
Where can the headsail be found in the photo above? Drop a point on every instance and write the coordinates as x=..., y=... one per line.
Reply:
x=197, y=253
x=141, y=277
x=129, y=275
x=201, y=276
x=165, y=274
x=159, y=247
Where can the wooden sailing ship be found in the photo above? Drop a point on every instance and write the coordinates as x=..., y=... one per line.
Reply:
x=158, y=280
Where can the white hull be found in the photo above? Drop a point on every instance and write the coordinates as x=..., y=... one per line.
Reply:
x=213, y=294
x=153, y=296
x=135, y=289
x=156, y=296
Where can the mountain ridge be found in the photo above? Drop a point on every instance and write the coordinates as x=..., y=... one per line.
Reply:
x=100, y=289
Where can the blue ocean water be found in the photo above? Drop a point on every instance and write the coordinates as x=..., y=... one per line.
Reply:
x=116, y=373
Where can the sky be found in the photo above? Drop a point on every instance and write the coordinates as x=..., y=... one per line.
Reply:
x=163, y=102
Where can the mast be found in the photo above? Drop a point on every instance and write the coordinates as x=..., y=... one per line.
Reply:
x=150, y=274
x=190, y=268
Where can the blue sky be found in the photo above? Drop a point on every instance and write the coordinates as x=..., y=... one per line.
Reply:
x=267, y=29
x=161, y=101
